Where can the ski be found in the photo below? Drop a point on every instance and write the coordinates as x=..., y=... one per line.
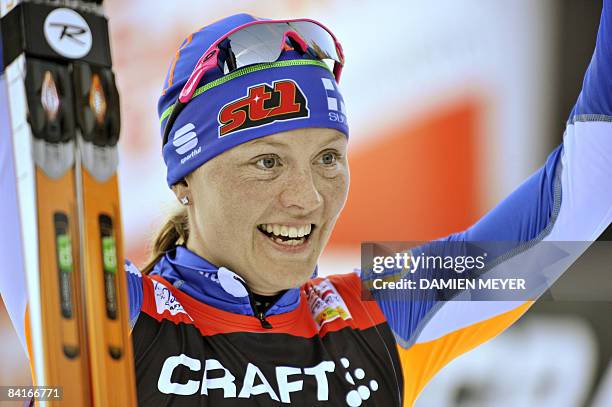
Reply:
x=112, y=364
x=61, y=123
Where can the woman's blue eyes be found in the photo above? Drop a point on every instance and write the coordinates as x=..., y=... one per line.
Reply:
x=328, y=158
x=267, y=162
x=270, y=162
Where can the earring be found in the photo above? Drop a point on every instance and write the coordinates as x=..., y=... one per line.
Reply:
x=185, y=200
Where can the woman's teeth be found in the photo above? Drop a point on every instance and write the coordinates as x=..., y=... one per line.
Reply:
x=286, y=235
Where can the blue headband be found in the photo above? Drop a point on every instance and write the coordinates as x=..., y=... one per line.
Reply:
x=252, y=102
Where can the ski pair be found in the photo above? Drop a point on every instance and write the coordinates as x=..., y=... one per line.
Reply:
x=59, y=131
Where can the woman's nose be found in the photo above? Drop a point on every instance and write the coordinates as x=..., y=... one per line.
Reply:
x=300, y=192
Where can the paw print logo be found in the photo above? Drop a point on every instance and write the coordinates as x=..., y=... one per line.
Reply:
x=355, y=397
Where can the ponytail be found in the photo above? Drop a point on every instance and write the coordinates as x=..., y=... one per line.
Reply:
x=174, y=232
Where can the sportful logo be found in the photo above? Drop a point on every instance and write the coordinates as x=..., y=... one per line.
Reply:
x=185, y=139
x=68, y=33
x=263, y=104
x=335, y=103
x=224, y=380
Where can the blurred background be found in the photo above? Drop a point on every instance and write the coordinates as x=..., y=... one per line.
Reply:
x=451, y=105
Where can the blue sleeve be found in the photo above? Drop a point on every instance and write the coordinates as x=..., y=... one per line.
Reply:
x=596, y=95
x=525, y=213
x=134, y=283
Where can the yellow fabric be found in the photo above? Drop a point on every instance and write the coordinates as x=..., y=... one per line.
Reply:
x=422, y=361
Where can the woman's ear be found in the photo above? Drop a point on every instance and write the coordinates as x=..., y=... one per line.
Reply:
x=182, y=193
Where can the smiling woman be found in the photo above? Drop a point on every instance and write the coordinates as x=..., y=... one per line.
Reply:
x=266, y=208
x=230, y=312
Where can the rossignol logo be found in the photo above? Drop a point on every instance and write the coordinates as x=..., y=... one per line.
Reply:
x=68, y=33
x=252, y=382
x=335, y=103
x=263, y=104
x=185, y=139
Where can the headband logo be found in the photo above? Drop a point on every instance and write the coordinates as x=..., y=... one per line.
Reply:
x=263, y=104
x=335, y=103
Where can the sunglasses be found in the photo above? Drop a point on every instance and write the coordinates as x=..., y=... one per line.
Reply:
x=260, y=42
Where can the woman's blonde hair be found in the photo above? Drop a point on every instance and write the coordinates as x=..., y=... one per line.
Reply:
x=174, y=232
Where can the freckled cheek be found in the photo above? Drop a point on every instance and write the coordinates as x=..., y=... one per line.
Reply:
x=334, y=192
x=245, y=202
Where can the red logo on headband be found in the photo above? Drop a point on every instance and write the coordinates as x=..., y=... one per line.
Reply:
x=263, y=104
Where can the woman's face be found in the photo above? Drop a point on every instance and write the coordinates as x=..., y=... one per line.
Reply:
x=265, y=209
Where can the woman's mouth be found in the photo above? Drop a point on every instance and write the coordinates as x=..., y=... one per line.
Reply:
x=286, y=235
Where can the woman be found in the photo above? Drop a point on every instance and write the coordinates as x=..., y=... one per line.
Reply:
x=227, y=314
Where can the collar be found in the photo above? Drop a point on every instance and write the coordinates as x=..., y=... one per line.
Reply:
x=216, y=286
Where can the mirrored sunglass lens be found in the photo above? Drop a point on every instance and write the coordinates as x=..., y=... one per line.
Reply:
x=317, y=38
x=256, y=44
x=260, y=43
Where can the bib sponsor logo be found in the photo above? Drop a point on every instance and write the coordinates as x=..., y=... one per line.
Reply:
x=263, y=104
x=289, y=380
x=68, y=33
x=165, y=301
x=325, y=303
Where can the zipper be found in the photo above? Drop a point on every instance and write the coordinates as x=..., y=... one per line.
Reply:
x=264, y=322
x=258, y=314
